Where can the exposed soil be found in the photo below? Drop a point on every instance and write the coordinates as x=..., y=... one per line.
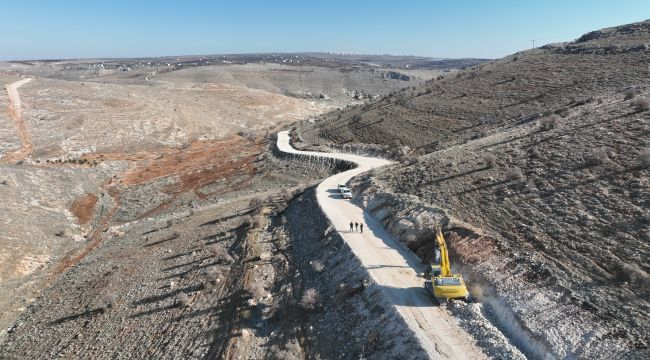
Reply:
x=84, y=208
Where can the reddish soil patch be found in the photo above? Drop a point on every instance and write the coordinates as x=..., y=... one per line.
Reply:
x=83, y=208
x=197, y=165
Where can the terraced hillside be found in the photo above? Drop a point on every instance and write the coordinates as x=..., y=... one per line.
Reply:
x=538, y=163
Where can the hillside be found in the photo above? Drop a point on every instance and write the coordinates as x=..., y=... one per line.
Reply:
x=538, y=164
x=144, y=214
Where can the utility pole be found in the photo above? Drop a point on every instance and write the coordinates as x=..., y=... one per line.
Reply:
x=533, y=43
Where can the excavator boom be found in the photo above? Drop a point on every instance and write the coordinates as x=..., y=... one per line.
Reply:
x=442, y=283
x=444, y=256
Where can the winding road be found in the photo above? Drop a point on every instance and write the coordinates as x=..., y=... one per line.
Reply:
x=15, y=112
x=393, y=267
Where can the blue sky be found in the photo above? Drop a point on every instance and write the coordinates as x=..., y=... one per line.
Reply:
x=31, y=29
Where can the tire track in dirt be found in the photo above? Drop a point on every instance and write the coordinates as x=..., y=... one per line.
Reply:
x=15, y=112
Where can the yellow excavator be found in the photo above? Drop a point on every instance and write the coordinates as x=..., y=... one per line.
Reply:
x=439, y=280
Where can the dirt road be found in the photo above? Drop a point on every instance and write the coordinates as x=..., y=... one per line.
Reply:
x=392, y=266
x=15, y=112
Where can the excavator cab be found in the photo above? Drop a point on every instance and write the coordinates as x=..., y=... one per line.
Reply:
x=442, y=284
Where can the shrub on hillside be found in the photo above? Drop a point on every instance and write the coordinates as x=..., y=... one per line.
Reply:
x=641, y=104
x=514, y=174
x=548, y=123
x=220, y=253
x=629, y=94
x=259, y=222
x=598, y=157
x=310, y=300
x=212, y=276
x=110, y=301
x=183, y=300
x=490, y=160
x=317, y=266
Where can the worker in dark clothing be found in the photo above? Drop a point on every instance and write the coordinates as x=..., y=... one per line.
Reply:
x=351, y=226
x=356, y=226
x=361, y=227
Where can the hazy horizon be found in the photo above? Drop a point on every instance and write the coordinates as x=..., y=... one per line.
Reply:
x=468, y=29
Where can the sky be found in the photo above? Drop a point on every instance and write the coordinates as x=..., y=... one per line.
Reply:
x=62, y=29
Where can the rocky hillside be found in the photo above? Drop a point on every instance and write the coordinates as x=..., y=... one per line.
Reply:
x=538, y=163
x=499, y=94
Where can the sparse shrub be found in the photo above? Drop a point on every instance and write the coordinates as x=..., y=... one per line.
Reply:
x=59, y=233
x=183, y=300
x=212, y=276
x=286, y=195
x=256, y=290
x=310, y=300
x=641, y=104
x=548, y=123
x=514, y=174
x=259, y=222
x=317, y=266
x=220, y=253
x=110, y=301
x=247, y=220
x=490, y=160
x=255, y=203
x=291, y=351
x=629, y=94
x=597, y=157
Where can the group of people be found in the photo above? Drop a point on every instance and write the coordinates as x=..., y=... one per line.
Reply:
x=355, y=226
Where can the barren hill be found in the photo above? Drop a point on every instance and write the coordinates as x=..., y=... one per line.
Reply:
x=144, y=214
x=539, y=164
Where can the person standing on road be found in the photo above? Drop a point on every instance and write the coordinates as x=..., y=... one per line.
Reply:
x=356, y=226
x=361, y=227
x=351, y=226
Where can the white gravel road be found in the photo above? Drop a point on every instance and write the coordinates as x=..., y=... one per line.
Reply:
x=393, y=267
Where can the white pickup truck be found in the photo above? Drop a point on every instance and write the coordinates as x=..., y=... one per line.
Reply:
x=345, y=192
